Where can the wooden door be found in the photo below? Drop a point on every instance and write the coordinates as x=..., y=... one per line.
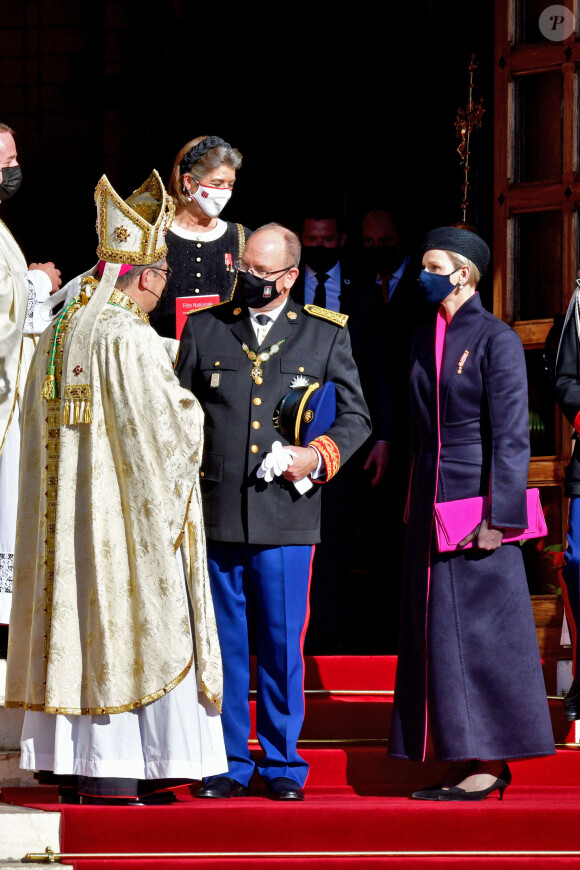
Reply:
x=537, y=197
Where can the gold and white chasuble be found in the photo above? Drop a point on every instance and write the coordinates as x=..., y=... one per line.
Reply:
x=100, y=618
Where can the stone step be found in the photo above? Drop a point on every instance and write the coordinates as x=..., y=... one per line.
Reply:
x=10, y=772
x=24, y=830
x=10, y=729
x=17, y=865
x=11, y=865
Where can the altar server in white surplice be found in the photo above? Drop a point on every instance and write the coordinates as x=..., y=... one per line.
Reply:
x=23, y=289
x=114, y=651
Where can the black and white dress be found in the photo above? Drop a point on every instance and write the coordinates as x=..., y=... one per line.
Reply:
x=202, y=264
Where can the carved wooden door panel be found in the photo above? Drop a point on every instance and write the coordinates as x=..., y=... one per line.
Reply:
x=537, y=197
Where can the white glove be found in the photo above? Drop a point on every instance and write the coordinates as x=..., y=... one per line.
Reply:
x=276, y=462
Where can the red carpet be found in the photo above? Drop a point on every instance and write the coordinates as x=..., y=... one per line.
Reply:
x=356, y=802
x=326, y=862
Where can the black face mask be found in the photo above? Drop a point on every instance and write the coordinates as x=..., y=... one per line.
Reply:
x=319, y=258
x=257, y=292
x=382, y=260
x=11, y=181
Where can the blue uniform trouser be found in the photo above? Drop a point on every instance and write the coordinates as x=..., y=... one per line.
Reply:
x=276, y=580
x=571, y=574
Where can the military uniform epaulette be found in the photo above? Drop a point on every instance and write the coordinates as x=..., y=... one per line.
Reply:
x=326, y=314
x=217, y=304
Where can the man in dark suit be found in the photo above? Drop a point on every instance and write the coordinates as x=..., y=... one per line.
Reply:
x=325, y=281
x=385, y=257
x=240, y=359
x=348, y=503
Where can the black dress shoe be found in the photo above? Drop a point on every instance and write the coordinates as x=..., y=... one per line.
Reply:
x=572, y=703
x=283, y=789
x=222, y=787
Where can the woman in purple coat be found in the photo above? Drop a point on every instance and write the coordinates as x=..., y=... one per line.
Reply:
x=469, y=666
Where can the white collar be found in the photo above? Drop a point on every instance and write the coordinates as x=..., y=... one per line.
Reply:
x=273, y=314
x=194, y=236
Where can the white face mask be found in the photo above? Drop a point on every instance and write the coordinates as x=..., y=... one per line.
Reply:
x=211, y=200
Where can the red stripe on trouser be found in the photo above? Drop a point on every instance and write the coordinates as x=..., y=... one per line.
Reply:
x=303, y=634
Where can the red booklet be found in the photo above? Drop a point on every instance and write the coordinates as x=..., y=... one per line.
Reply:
x=185, y=304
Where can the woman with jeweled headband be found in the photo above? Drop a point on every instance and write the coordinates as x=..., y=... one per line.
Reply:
x=469, y=670
x=202, y=248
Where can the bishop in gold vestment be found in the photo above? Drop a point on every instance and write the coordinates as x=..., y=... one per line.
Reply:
x=114, y=651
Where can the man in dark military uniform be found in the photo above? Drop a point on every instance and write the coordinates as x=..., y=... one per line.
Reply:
x=241, y=359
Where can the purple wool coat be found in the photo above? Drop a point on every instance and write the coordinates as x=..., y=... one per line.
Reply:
x=469, y=663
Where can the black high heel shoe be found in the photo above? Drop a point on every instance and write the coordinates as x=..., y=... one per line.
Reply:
x=460, y=794
x=432, y=793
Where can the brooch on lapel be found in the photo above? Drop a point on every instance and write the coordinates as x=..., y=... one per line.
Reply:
x=461, y=362
x=299, y=381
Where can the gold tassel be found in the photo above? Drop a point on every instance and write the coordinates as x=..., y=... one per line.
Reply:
x=48, y=391
x=77, y=405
